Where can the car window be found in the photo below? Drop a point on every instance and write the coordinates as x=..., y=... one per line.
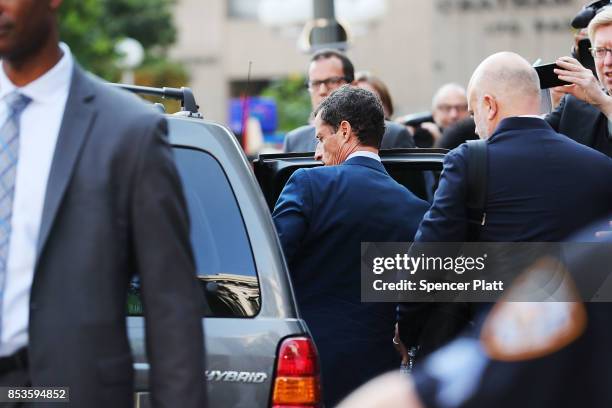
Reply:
x=220, y=242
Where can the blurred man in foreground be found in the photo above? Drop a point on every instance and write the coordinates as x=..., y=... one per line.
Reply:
x=329, y=70
x=536, y=368
x=322, y=216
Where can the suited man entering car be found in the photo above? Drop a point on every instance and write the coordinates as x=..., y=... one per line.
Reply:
x=89, y=197
x=322, y=216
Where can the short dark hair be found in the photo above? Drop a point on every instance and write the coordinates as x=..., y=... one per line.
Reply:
x=347, y=66
x=359, y=107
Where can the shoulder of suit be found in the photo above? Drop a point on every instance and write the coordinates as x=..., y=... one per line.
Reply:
x=458, y=153
x=325, y=174
x=298, y=132
x=394, y=126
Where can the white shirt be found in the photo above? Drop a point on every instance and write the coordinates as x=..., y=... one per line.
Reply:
x=39, y=128
x=363, y=153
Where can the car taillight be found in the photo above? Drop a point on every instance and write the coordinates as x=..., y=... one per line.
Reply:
x=297, y=383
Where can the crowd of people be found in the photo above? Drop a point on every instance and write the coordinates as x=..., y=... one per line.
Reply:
x=68, y=139
x=546, y=178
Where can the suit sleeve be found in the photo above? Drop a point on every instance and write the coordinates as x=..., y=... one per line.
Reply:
x=446, y=220
x=292, y=212
x=554, y=117
x=287, y=143
x=396, y=136
x=404, y=139
x=172, y=301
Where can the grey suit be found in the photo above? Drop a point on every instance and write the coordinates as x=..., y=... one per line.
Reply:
x=303, y=138
x=114, y=207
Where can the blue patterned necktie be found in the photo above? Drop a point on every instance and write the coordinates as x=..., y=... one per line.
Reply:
x=9, y=153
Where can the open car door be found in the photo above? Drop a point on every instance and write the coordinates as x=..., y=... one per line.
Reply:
x=416, y=169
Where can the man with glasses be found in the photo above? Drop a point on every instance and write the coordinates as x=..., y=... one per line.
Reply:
x=585, y=113
x=448, y=106
x=330, y=69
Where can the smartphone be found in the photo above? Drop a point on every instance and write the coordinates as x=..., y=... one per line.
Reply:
x=548, y=78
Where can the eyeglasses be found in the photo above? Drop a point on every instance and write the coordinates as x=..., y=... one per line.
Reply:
x=447, y=108
x=600, y=52
x=329, y=82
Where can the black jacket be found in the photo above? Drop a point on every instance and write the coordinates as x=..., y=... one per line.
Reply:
x=582, y=122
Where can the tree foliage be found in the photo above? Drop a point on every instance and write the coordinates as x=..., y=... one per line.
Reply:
x=92, y=28
x=148, y=21
x=90, y=43
x=292, y=100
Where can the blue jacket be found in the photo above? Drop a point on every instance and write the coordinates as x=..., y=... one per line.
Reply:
x=541, y=186
x=322, y=216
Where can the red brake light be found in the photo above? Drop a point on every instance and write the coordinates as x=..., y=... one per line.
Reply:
x=297, y=357
x=297, y=375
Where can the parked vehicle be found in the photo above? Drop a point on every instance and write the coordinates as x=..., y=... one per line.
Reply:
x=259, y=352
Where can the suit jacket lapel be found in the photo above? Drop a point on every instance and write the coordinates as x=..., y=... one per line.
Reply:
x=78, y=119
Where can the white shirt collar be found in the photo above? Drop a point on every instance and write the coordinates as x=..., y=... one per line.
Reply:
x=363, y=153
x=45, y=88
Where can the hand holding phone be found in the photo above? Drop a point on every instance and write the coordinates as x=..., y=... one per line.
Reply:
x=548, y=78
x=584, y=85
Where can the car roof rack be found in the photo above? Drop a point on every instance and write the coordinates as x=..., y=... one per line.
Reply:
x=189, y=107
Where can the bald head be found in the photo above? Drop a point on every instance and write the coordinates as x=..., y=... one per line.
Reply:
x=445, y=91
x=449, y=105
x=503, y=85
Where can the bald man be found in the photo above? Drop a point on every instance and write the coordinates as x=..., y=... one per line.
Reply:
x=448, y=106
x=541, y=186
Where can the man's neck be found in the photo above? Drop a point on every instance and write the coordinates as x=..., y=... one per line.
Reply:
x=366, y=149
x=24, y=70
x=356, y=149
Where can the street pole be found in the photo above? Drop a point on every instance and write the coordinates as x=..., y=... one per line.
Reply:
x=327, y=33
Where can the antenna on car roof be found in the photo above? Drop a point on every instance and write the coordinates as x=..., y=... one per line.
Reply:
x=245, y=108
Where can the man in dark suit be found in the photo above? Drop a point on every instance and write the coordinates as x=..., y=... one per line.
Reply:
x=322, y=216
x=584, y=113
x=540, y=185
x=90, y=197
x=328, y=70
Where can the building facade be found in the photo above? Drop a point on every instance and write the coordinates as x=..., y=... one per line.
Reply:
x=416, y=46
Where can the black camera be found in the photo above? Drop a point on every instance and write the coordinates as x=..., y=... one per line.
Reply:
x=581, y=50
x=584, y=17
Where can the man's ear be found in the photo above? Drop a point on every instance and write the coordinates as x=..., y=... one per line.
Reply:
x=345, y=130
x=490, y=104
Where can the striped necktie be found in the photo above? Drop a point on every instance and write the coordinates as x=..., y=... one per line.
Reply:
x=9, y=153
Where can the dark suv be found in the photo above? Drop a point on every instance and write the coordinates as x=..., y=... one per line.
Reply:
x=258, y=351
